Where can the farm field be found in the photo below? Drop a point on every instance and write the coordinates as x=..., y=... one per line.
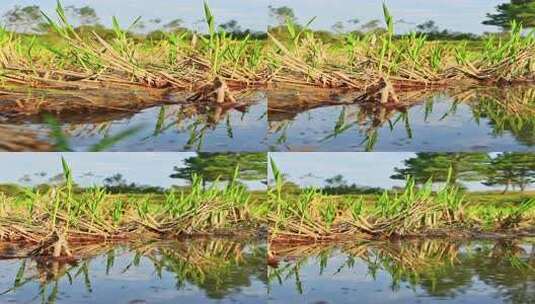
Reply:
x=180, y=89
x=267, y=151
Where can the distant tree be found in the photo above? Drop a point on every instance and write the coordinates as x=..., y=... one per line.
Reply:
x=26, y=178
x=341, y=27
x=353, y=21
x=57, y=179
x=338, y=27
x=282, y=14
x=213, y=166
x=173, y=25
x=155, y=21
x=118, y=184
x=116, y=180
x=85, y=15
x=428, y=27
x=511, y=170
x=25, y=19
x=336, y=181
x=403, y=21
x=436, y=166
x=138, y=26
x=338, y=185
x=41, y=174
x=521, y=11
x=231, y=26
x=371, y=25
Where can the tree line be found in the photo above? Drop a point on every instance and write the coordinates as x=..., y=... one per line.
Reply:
x=30, y=19
x=511, y=171
x=519, y=11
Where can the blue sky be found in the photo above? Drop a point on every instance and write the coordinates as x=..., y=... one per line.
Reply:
x=365, y=169
x=250, y=13
x=458, y=15
x=142, y=168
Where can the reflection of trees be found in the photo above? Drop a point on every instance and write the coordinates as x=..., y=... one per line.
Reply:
x=367, y=117
x=509, y=109
x=507, y=267
x=442, y=268
x=219, y=267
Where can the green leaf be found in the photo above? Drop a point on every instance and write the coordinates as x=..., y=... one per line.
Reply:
x=107, y=142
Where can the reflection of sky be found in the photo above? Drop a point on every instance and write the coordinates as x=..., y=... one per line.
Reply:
x=364, y=169
x=458, y=15
x=92, y=168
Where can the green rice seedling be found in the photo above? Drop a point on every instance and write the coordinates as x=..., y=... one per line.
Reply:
x=278, y=182
x=357, y=208
x=176, y=45
x=386, y=49
x=376, y=63
x=436, y=58
x=517, y=215
x=414, y=211
x=118, y=212
x=93, y=214
x=214, y=41
x=124, y=45
x=461, y=54
x=328, y=214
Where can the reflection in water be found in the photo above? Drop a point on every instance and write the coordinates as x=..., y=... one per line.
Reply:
x=406, y=272
x=467, y=119
x=173, y=126
x=164, y=272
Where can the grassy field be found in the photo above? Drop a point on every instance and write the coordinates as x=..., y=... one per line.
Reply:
x=59, y=216
x=377, y=62
x=311, y=215
x=69, y=58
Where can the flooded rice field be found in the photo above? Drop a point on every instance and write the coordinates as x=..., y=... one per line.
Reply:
x=158, y=125
x=406, y=272
x=460, y=119
x=276, y=119
x=195, y=271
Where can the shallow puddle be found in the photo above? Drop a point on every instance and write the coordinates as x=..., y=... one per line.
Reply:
x=473, y=119
x=196, y=271
x=430, y=271
x=170, y=127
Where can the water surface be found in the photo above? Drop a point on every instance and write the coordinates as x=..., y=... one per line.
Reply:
x=459, y=119
x=164, y=125
x=406, y=272
x=200, y=271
